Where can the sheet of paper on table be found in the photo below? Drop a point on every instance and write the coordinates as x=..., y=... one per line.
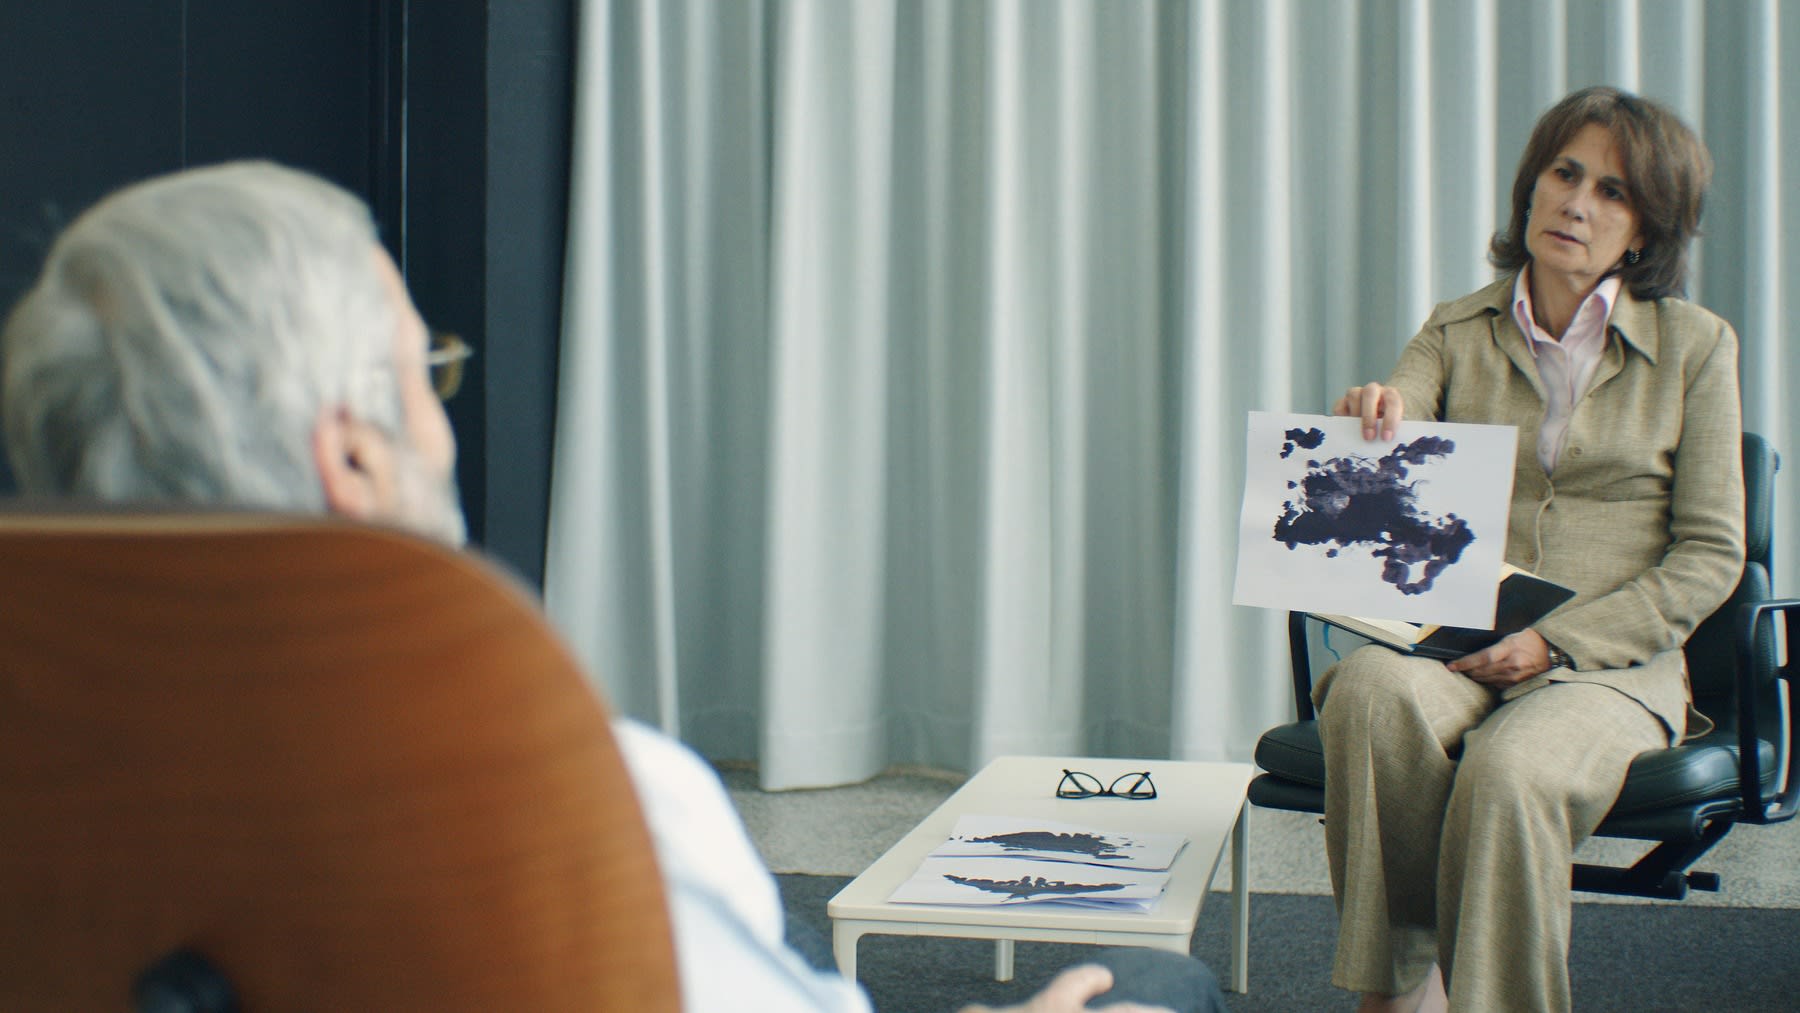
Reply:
x=1044, y=840
x=991, y=860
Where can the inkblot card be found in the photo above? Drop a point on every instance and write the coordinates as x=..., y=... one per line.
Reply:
x=984, y=882
x=1412, y=528
x=977, y=836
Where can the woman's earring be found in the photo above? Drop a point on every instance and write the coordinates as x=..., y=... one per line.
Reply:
x=1528, y=212
x=1633, y=256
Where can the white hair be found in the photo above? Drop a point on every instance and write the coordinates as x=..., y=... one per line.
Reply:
x=186, y=334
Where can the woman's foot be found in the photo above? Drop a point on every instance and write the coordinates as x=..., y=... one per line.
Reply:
x=1429, y=997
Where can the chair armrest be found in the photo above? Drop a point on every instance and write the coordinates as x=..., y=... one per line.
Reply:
x=1300, y=659
x=1756, y=669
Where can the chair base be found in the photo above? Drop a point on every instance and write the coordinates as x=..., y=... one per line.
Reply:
x=1630, y=883
x=1659, y=874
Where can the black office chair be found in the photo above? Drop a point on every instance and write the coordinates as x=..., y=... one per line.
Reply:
x=1685, y=798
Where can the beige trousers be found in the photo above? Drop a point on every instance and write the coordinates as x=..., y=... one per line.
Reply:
x=1451, y=817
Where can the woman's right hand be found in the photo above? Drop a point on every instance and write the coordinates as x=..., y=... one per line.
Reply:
x=1374, y=404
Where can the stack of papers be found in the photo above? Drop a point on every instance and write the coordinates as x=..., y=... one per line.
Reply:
x=1005, y=860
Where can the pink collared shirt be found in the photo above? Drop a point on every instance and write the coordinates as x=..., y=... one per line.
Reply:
x=1565, y=366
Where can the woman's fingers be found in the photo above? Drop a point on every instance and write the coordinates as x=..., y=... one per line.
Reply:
x=1380, y=408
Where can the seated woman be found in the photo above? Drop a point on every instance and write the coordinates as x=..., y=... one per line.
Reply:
x=1456, y=793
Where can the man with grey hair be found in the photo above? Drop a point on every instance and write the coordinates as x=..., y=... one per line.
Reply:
x=236, y=335
x=230, y=335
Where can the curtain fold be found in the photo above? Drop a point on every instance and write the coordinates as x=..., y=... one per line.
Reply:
x=907, y=345
x=832, y=198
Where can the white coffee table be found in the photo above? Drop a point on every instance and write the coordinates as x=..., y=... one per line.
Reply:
x=1204, y=801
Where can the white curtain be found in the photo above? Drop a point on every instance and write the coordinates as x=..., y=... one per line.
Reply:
x=908, y=343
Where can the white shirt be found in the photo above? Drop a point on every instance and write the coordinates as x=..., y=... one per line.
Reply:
x=723, y=903
x=1567, y=366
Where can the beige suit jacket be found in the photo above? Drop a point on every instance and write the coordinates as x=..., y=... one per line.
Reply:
x=1644, y=513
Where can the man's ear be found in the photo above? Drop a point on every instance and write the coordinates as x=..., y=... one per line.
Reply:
x=355, y=465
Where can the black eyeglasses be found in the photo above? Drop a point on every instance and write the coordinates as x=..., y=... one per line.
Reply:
x=1081, y=784
x=445, y=359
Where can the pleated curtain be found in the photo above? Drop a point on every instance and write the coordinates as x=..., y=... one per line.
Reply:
x=908, y=343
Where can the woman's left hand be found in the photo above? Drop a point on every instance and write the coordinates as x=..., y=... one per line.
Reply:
x=1507, y=663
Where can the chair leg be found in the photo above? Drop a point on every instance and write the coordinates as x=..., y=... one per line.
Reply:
x=1661, y=873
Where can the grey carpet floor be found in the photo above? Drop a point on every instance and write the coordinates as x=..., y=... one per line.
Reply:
x=1624, y=958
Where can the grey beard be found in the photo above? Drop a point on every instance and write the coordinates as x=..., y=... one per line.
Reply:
x=428, y=506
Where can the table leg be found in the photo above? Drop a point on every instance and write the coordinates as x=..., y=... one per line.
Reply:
x=1003, y=960
x=843, y=947
x=1240, y=901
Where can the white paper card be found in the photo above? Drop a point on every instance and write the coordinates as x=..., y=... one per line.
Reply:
x=1047, y=841
x=1412, y=528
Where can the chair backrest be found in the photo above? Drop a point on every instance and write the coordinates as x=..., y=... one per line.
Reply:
x=352, y=769
x=1711, y=650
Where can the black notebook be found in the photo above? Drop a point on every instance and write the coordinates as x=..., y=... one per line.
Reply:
x=1524, y=599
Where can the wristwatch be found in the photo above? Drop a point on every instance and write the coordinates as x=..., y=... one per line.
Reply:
x=1559, y=658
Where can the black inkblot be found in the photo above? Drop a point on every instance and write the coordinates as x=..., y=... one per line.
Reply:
x=1350, y=500
x=1027, y=887
x=1305, y=439
x=1091, y=845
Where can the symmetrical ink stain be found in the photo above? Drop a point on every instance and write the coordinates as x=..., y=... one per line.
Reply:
x=1093, y=846
x=1030, y=887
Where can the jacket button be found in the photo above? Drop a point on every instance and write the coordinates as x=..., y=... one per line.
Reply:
x=1576, y=451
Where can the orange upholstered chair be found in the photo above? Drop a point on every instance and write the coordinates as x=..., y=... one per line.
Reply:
x=346, y=768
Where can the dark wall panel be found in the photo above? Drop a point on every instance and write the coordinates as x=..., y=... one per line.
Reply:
x=90, y=97
x=288, y=80
x=446, y=211
x=530, y=87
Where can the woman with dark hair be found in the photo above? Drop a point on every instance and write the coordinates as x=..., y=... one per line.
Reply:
x=1456, y=793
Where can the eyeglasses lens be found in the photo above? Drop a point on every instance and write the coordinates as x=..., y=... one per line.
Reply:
x=1079, y=784
x=445, y=361
x=1133, y=786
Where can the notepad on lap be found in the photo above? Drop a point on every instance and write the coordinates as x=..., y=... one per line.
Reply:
x=1524, y=598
